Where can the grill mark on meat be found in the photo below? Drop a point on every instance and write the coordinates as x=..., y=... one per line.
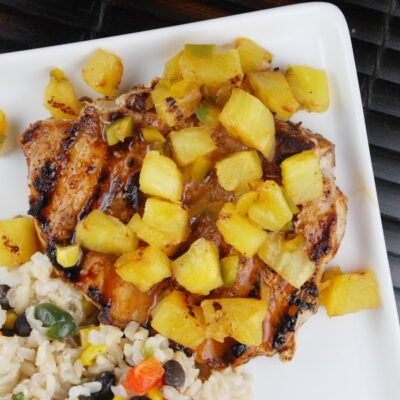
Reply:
x=323, y=246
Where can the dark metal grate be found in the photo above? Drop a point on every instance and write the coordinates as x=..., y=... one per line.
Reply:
x=374, y=26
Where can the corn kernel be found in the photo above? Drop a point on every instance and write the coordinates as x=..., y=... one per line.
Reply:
x=91, y=352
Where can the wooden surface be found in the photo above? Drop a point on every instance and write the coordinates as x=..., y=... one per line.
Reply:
x=375, y=30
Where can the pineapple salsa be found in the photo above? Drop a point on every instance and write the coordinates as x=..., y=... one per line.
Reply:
x=234, y=91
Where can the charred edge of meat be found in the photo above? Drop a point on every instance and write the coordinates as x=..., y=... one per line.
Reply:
x=288, y=145
x=323, y=246
x=95, y=294
x=304, y=299
x=104, y=315
x=131, y=191
x=137, y=101
x=44, y=184
x=72, y=274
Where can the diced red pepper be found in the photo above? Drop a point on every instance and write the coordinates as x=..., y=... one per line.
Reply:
x=144, y=376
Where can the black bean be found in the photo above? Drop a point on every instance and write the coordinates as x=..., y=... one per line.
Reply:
x=238, y=349
x=21, y=326
x=174, y=374
x=4, y=304
x=107, y=379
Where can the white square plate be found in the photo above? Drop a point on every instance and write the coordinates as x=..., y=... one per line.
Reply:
x=355, y=357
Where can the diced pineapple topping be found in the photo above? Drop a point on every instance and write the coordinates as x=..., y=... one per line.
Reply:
x=239, y=231
x=211, y=70
x=191, y=143
x=144, y=267
x=103, y=72
x=169, y=218
x=310, y=87
x=246, y=118
x=172, y=70
x=229, y=267
x=198, y=269
x=347, y=293
x=200, y=169
x=238, y=169
x=160, y=177
x=105, y=234
x=270, y=210
x=208, y=113
x=272, y=88
x=173, y=319
x=68, y=256
x=59, y=96
x=175, y=101
x=152, y=135
x=239, y=318
x=245, y=201
x=252, y=56
x=294, y=266
x=200, y=50
x=119, y=130
x=302, y=177
x=3, y=129
x=150, y=234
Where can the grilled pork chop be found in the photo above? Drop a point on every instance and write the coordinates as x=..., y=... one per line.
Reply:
x=72, y=171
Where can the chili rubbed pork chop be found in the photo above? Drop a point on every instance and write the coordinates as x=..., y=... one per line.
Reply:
x=72, y=171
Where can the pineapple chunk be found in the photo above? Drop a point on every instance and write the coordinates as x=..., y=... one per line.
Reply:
x=245, y=201
x=105, y=234
x=59, y=96
x=119, y=130
x=175, y=101
x=349, y=293
x=191, y=143
x=239, y=232
x=200, y=169
x=293, y=266
x=173, y=319
x=172, y=70
x=247, y=119
x=238, y=169
x=252, y=56
x=271, y=210
x=18, y=241
x=302, y=177
x=271, y=249
x=3, y=129
x=68, y=256
x=152, y=135
x=211, y=70
x=198, y=269
x=150, y=234
x=160, y=177
x=144, y=267
x=208, y=113
x=331, y=273
x=169, y=218
x=200, y=50
x=229, y=267
x=103, y=72
x=272, y=88
x=310, y=87
x=239, y=318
